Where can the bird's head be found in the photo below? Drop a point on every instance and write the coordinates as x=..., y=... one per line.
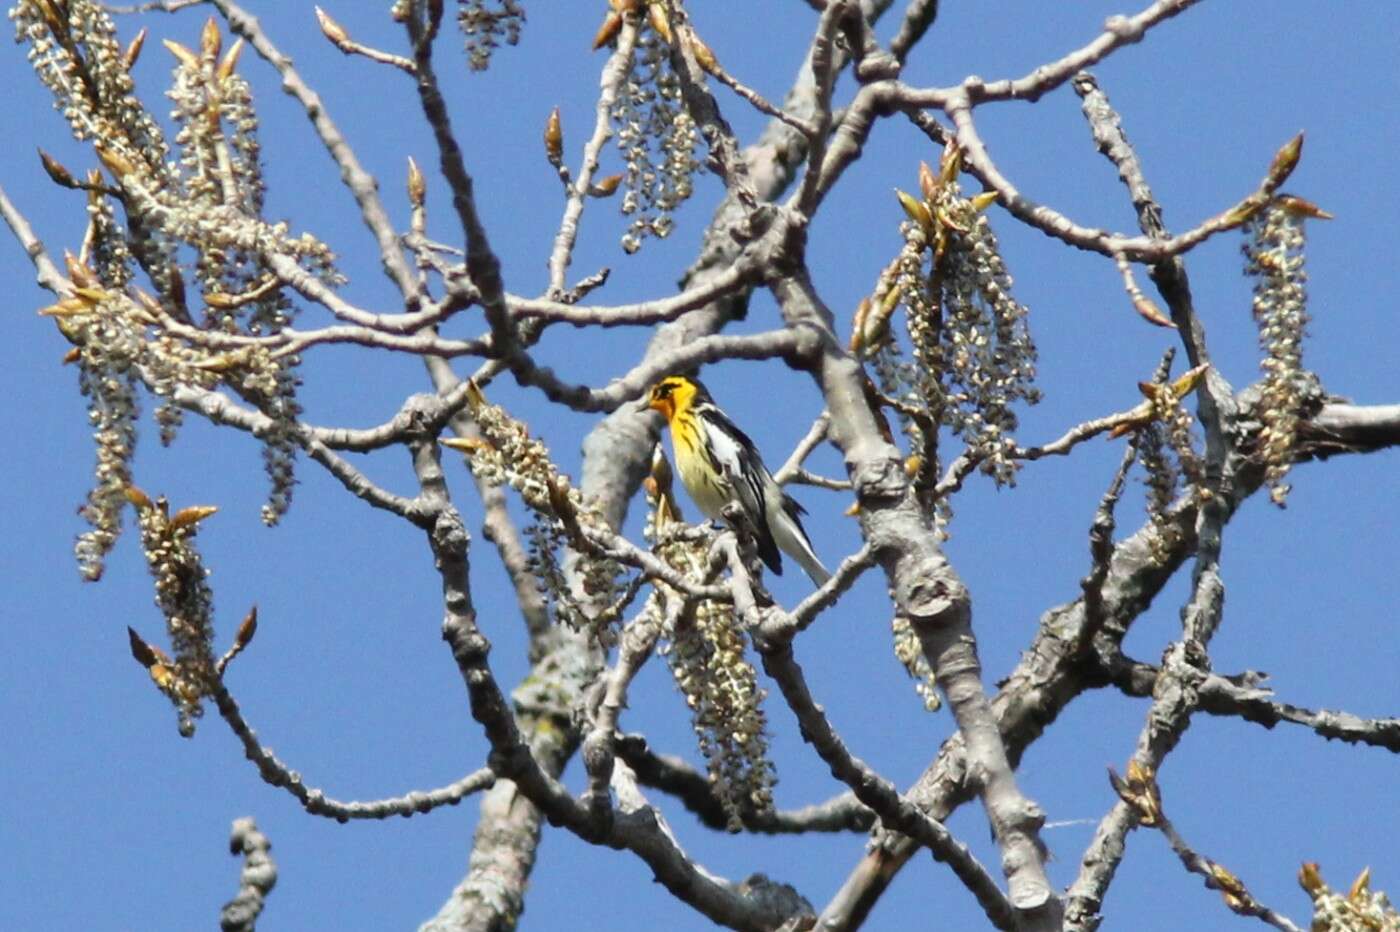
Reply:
x=674, y=393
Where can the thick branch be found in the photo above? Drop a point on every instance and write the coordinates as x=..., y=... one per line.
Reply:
x=928, y=591
x=1349, y=428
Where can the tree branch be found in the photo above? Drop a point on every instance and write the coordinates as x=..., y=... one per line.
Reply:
x=672, y=775
x=1186, y=662
x=613, y=79
x=1050, y=674
x=1243, y=696
x=876, y=792
x=927, y=590
x=255, y=881
x=739, y=276
x=276, y=773
x=1349, y=428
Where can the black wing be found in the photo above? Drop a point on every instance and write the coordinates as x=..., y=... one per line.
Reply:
x=734, y=456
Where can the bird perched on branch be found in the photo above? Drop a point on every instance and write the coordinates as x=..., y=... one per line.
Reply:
x=720, y=465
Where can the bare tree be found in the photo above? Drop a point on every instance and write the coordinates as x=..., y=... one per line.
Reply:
x=184, y=291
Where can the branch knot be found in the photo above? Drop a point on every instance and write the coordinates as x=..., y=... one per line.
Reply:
x=879, y=480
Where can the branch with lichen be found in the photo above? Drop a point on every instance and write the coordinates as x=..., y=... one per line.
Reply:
x=1186, y=662
x=1176, y=697
x=1173, y=703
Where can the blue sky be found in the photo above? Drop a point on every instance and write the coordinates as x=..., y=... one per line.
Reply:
x=115, y=822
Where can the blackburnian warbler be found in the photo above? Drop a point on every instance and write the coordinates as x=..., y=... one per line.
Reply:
x=719, y=464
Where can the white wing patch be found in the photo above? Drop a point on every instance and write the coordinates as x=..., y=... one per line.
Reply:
x=729, y=457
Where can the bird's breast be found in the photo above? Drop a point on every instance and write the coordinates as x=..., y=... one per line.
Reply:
x=707, y=489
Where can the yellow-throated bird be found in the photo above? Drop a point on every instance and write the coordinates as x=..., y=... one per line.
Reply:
x=719, y=464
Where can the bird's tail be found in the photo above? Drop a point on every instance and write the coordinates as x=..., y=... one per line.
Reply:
x=792, y=539
x=812, y=566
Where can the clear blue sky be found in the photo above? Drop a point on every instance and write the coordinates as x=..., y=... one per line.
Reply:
x=112, y=821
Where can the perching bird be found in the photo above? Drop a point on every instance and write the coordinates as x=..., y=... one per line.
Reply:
x=719, y=464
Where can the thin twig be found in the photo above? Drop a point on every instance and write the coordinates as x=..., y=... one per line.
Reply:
x=759, y=102
x=809, y=442
x=337, y=36
x=1237, y=897
x=675, y=777
x=613, y=79
x=46, y=273
x=1141, y=794
x=276, y=773
x=220, y=410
